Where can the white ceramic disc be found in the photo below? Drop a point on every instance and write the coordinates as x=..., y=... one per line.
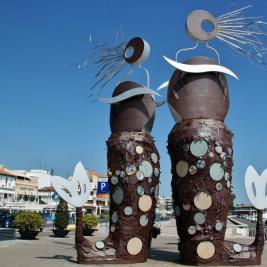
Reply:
x=226, y=176
x=140, y=176
x=146, y=168
x=218, y=149
x=186, y=207
x=139, y=149
x=143, y=220
x=122, y=174
x=145, y=203
x=202, y=200
x=131, y=169
x=237, y=248
x=223, y=156
x=191, y=230
x=200, y=163
x=154, y=157
x=128, y=211
x=114, y=179
x=156, y=172
x=199, y=218
x=211, y=154
x=112, y=228
x=216, y=171
x=219, y=186
x=115, y=217
x=199, y=148
x=140, y=190
x=99, y=245
x=182, y=168
x=117, y=172
x=192, y=169
x=205, y=250
x=218, y=226
x=228, y=184
x=134, y=246
x=118, y=195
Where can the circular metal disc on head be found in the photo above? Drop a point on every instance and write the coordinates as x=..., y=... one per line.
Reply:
x=218, y=149
x=140, y=176
x=131, y=170
x=140, y=190
x=199, y=148
x=143, y=220
x=229, y=151
x=219, y=186
x=139, y=149
x=191, y=230
x=186, y=206
x=154, y=157
x=117, y=172
x=218, y=226
x=145, y=203
x=192, y=169
x=194, y=25
x=118, y=195
x=237, y=248
x=200, y=163
x=112, y=228
x=115, y=217
x=199, y=218
x=146, y=168
x=182, y=168
x=205, y=250
x=156, y=172
x=228, y=184
x=216, y=171
x=99, y=245
x=177, y=210
x=114, y=179
x=134, y=246
x=128, y=211
x=202, y=200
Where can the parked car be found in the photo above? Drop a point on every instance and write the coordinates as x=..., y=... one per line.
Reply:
x=7, y=219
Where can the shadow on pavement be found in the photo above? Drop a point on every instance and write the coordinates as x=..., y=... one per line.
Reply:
x=59, y=257
x=163, y=255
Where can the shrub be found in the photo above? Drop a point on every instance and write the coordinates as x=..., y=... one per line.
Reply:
x=89, y=221
x=61, y=215
x=28, y=221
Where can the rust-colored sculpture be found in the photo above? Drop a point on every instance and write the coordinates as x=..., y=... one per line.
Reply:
x=200, y=148
x=133, y=171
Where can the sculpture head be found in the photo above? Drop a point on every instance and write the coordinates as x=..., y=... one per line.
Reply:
x=136, y=113
x=198, y=95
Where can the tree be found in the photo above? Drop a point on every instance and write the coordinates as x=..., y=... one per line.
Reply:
x=62, y=215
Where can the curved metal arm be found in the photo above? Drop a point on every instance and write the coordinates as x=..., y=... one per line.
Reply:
x=147, y=75
x=214, y=50
x=185, y=49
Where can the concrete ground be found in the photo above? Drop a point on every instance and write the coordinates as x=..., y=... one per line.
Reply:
x=48, y=251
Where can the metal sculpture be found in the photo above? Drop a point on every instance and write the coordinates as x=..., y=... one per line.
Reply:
x=133, y=164
x=200, y=147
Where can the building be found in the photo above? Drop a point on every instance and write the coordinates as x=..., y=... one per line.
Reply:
x=26, y=189
x=164, y=207
x=97, y=203
x=7, y=187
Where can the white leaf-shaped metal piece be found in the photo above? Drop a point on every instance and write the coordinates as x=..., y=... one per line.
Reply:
x=75, y=191
x=128, y=94
x=256, y=187
x=163, y=85
x=200, y=68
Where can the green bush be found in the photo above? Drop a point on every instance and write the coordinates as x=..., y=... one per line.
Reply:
x=61, y=215
x=104, y=216
x=28, y=221
x=89, y=221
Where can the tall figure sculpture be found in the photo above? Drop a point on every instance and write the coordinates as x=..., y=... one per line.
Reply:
x=200, y=148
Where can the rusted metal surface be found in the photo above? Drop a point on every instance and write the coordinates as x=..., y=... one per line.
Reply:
x=200, y=148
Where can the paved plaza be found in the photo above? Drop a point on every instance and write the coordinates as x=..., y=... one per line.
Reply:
x=48, y=251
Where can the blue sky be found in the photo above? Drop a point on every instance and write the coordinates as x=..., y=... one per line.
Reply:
x=46, y=119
